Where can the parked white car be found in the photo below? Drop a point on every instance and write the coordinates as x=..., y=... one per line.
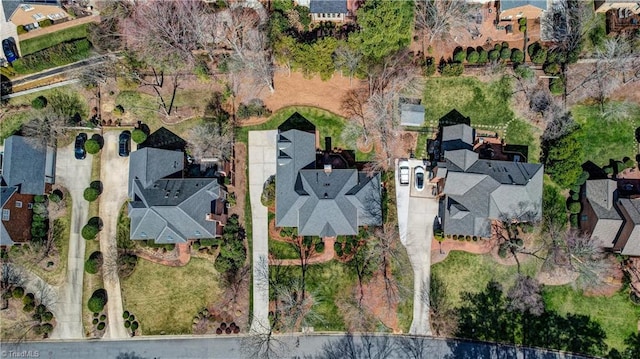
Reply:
x=403, y=172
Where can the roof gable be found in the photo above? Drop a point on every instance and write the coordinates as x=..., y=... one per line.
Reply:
x=328, y=6
x=24, y=165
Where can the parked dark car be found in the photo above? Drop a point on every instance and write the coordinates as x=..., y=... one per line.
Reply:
x=124, y=144
x=80, y=152
x=9, y=49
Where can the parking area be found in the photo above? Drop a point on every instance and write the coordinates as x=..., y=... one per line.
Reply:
x=417, y=209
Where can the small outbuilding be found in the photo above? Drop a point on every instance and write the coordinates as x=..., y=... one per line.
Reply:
x=411, y=115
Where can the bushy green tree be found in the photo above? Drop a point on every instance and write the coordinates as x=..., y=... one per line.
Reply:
x=138, y=136
x=575, y=207
x=39, y=102
x=91, y=194
x=473, y=57
x=97, y=301
x=562, y=153
x=452, y=69
x=92, y=146
x=505, y=53
x=494, y=54
x=483, y=56
x=556, y=86
x=386, y=26
x=517, y=56
x=232, y=251
x=459, y=55
x=90, y=231
x=537, y=53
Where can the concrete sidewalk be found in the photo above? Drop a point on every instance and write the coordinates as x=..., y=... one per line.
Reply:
x=262, y=165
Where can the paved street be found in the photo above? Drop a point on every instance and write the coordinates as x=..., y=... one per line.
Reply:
x=230, y=347
x=114, y=175
x=75, y=176
x=416, y=212
x=262, y=165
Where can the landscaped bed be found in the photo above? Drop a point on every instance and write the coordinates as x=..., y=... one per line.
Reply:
x=165, y=299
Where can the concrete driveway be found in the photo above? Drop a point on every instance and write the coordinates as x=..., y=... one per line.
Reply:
x=262, y=165
x=114, y=175
x=75, y=176
x=416, y=212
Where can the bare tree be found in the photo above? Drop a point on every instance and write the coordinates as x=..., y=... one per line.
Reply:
x=442, y=315
x=12, y=277
x=45, y=128
x=439, y=19
x=106, y=35
x=347, y=58
x=210, y=140
x=525, y=296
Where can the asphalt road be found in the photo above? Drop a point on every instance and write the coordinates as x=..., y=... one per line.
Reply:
x=114, y=175
x=318, y=345
x=75, y=176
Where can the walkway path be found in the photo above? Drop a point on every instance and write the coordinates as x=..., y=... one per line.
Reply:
x=75, y=176
x=262, y=165
x=114, y=177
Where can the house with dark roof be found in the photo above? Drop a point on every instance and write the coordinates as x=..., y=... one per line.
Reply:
x=610, y=218
x=476, y=191
x=168, y=208
x=321, y=192
x=27, y=169
x=328, y=10
x=28, y=165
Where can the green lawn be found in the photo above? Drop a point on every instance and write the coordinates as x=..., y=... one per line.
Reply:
x=484, y=103
x=466, y=272
x=282, y=250
x=520, y=132
x=617, y=315
x=165, y=299
x=602, y=139
x=11, y=123
x=329, y=282
x=327, y=123
x=36, y=44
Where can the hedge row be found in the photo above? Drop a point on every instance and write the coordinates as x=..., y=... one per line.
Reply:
x=58, y=55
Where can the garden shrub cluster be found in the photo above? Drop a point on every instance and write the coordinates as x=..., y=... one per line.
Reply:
x=138, y=136
x=57, y=55
x=39, y=102
x=93, y=264
x=255, y=107
x=232, y=251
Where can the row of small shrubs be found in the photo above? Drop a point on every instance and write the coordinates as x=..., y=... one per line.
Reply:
x=57, y=55
x=99, y=321
x=464, y=238
x=130, y=321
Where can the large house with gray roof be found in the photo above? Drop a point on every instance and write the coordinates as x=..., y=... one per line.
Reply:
x=27, y=169
x=166, y=207
x=476, y=188
x=321, y=193
x=611, y=219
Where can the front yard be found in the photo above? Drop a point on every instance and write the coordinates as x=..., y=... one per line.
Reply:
x=466, y=272
x=165, y=299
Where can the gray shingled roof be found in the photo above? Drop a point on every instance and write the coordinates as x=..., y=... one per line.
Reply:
x=317, y=202
x=602, y=193
x=174, y=210
x=328, y=6
x=5, y=194
x=151, y=164
x=630, y=245
x=457, y=137
x=480, y=190
x=25, y=165
x=411, y=115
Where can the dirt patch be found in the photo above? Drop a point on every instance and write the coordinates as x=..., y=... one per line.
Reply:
x=295, y=89
x=381, y=302
x=178, y=257
x=439, y=251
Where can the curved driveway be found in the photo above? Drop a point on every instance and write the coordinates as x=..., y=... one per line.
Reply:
x=416, y=212
x=114, y=175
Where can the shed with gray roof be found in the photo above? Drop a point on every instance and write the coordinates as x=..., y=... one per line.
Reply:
x=411, y=115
